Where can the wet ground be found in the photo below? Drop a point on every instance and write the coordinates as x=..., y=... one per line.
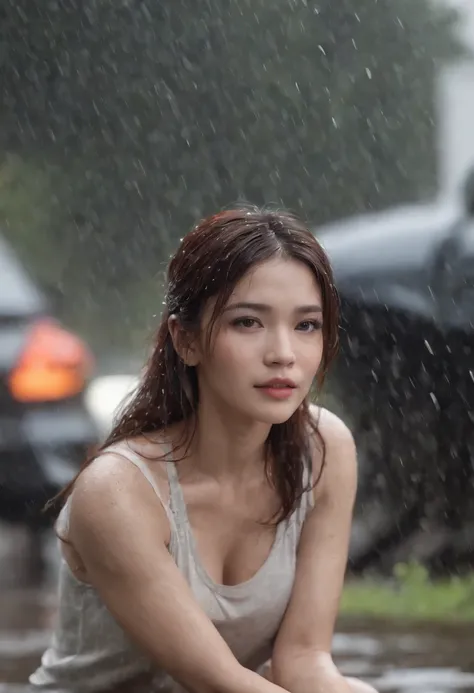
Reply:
x=394, y=658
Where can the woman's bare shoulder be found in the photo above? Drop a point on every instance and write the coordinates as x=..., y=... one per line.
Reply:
x=332, y=429
x=339, y=472
x=112, y=468
x=111, y=492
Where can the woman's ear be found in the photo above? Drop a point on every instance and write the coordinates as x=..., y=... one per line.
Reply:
x=184, y=342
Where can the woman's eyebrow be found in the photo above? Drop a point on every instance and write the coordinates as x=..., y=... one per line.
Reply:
x=265, y=308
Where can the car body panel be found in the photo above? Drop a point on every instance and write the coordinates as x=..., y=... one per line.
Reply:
x=389, y=258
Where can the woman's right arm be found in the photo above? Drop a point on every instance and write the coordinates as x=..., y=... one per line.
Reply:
x=120, y=531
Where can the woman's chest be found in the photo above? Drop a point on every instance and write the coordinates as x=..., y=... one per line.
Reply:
x=241, y=574
x=232, y=539
x=248, y=615
x=240, y=567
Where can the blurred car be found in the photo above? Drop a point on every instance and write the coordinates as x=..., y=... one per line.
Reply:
x=45, y=427
x=404, y=378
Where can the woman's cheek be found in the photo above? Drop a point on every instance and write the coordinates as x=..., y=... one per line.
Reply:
x=227, y=350
x=312, y=357
x=233, y=345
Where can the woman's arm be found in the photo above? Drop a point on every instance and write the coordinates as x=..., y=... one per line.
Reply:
x=302, y=661
x=119, y=529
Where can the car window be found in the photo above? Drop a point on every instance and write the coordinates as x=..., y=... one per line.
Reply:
x=18, y=293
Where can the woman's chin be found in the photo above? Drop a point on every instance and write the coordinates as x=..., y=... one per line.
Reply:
x=276, y=413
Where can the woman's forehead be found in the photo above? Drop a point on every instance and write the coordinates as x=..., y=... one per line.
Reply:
x=277, y=279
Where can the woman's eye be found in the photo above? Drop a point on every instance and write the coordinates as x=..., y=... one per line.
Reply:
x=245, y=322
x=309, y=326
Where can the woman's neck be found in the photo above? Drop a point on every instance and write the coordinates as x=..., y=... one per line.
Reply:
x=225, y=445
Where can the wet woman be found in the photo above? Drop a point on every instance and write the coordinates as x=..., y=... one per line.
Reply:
x=209, y=536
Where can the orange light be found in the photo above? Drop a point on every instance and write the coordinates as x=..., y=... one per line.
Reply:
x=54, y=365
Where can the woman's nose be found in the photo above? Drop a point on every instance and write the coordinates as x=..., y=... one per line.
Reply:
x=280, y=350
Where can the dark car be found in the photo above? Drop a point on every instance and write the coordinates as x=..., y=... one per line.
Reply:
x=45, y=428
x=404, y=379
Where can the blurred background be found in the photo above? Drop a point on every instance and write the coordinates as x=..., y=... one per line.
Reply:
x=123, y=122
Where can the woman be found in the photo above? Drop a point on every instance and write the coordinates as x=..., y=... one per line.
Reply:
x=210, y=533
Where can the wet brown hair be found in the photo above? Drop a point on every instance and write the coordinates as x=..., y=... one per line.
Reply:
x=209, y=262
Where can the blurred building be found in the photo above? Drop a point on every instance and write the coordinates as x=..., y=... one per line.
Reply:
x=456, y=110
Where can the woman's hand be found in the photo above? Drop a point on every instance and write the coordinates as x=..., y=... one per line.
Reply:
x=310, y=673
x=318, y=674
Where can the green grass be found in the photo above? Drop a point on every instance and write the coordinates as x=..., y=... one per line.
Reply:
x=410, y=595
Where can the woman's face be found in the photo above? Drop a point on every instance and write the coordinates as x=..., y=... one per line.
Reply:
x=267, y=345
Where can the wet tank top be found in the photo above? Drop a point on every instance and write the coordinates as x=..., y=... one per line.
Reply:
x=89, y=651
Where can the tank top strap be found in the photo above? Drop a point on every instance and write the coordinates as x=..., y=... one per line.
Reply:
x=177, y=502
x=61, y=525
x=121, y=448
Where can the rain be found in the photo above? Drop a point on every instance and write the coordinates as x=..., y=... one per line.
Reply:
x=123, y=123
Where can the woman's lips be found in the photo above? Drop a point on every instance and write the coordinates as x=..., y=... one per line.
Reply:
x=277, y=392
x=278, y=389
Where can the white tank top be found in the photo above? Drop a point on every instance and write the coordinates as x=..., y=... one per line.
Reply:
x=89, y=651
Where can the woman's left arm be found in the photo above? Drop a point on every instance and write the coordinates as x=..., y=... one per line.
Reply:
x=302, y=661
